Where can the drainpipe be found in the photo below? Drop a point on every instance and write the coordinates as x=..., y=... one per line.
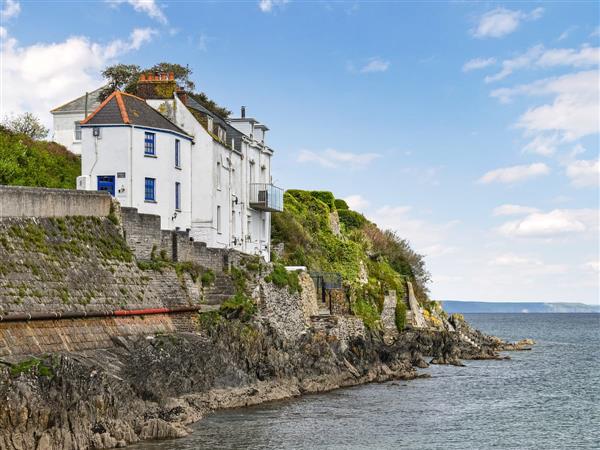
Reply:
x=131, y=166
x=230, y=198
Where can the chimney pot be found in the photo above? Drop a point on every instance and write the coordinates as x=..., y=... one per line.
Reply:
x=143, y=77
x=150, y=77
x=243, y=112
x=171, y=76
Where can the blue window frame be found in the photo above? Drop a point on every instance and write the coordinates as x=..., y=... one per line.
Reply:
x=149, y=144
x=178, y=196
x=150, y=189
x=177, y=153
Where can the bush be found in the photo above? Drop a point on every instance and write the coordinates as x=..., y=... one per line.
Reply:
x=341, y=204
x=239, y=307
x=280, y=277
x=367, y=312
x=351, y=219
x=400, y=316
x=207, y=278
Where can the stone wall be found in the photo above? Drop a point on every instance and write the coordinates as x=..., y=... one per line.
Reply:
x=144, y=236
x=19, y=201
x=47, y=336
x=388, y=316
x=308, y=297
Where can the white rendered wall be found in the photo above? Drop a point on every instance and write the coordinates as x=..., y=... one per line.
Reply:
x=64, y=130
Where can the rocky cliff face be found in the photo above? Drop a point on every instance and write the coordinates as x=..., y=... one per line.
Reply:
x=151, y=387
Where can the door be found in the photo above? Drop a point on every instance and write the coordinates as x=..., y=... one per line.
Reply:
x=106, y=183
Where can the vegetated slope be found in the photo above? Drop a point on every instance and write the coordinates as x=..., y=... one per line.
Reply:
x=25, y=162
x=322, y=233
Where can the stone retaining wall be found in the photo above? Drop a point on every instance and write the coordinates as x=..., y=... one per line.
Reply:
x=19, y=201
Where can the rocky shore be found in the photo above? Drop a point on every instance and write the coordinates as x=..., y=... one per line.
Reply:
x=153, y=387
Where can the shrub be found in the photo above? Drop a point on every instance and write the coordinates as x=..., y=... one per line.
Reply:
x=207, y=278
x=341, y=204
x=400, y=317
x=280, y=277
x=239, y=307
x=351, y=219
x=367, y=312
x=32, y=365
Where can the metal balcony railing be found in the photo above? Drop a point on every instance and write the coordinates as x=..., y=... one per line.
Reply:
x=266, y=197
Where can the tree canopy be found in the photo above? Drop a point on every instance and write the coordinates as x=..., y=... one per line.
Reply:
x=125, y=77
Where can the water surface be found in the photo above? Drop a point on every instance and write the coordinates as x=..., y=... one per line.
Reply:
x=548, y=398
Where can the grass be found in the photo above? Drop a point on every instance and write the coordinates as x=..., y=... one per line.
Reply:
x=280, y=277
x=32, y=365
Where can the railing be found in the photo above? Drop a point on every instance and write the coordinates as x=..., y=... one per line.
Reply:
x=266, y=197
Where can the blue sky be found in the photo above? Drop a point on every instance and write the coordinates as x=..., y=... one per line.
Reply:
x=471, y=128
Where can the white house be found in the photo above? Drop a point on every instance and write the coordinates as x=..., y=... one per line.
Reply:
x=225, y=172
x=144, y=160
x=67, y=119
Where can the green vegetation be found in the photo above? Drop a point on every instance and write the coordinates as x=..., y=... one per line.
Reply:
x=26, y=162
x=281, y=278
x=32, y=365
x=371, y=261
x=400, y=317
x=240, y=306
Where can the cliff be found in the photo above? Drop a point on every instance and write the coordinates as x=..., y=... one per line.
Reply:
x=114, y=331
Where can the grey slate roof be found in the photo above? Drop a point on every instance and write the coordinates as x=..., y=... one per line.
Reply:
x=231, y=131
x=78, y=105
x=134, y=111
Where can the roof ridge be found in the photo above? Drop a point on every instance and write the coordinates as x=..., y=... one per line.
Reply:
x=122, y=108
x=134, y=96
x=102, y=105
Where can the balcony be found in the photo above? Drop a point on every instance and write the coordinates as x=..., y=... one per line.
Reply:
x=266, y=197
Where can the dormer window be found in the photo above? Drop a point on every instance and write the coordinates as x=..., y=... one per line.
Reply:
x=221, y=134
x=209, y=123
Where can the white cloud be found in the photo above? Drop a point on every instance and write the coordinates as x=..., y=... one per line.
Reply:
x=11, y=9
x=332, y=158
x=42, y=76
x=555, y=223
x=513, y=210
x=268, y=5
x=374, y=65
x=596, y=32
x=438, y=250
x=584, y=172
x=527, y=264
x=540, y=57
x=542, y=145
x=357, y=202
x=574, y=112
x=478, y=63
x=594, y=266
x=148, y=7
x=501, y=21
x=515, y=173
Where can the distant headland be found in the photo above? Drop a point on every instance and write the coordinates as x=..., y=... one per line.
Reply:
x=456, y=306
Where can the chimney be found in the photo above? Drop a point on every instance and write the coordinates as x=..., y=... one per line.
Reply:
x=243, y=113
x=182, y=96
x=171, y=76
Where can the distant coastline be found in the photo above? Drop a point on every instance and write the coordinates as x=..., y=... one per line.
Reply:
x=457, y=306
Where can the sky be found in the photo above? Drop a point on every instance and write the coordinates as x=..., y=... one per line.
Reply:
x=470, y=128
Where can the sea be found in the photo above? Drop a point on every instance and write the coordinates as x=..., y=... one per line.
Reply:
x=546, y=398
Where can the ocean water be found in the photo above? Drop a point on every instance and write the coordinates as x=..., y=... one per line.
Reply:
x=547, y=398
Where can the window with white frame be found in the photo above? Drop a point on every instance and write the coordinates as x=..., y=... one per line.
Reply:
x=77, y=135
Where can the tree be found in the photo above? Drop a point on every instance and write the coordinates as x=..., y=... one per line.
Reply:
x=27, y=124
x=125, y=77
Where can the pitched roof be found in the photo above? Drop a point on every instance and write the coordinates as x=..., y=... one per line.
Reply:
x=124, y=108
x=78, y=105
x=231, y=131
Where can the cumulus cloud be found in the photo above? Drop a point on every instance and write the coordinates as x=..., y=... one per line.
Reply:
x=374, y=65
x=513, y=210
x=584, y=172
x=11, y=9
x=357, y=202
x=501, y=21
x=515, y=173
x=558, y=222
x=39, y=77
x=478, y=63
x=540, y=57
x=148, y=7
x=268, y=5
x=574, y=112
x=333, y=159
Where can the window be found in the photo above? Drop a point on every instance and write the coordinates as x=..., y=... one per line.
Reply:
x=177, y=153
x=252, y=173
x=149, y=141
x=219, y=175
x=150, y=190
x=218, y=219
x=178, y=196
x=77, y=130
